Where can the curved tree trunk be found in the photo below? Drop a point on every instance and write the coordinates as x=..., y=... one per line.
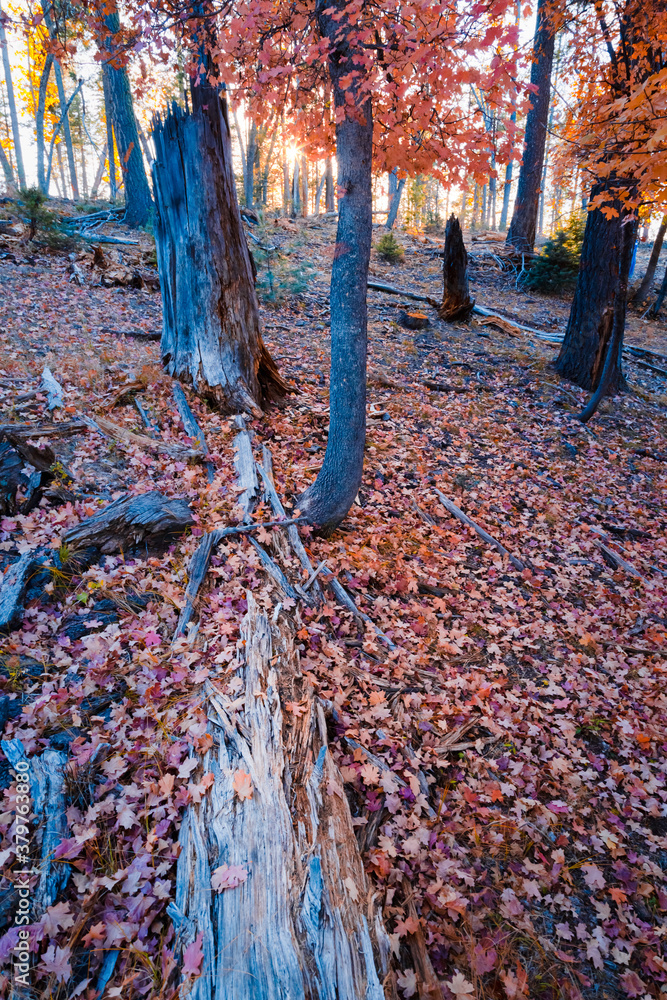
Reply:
x=332, y=494
x=138, y=201
x=646, y=285
x=456, y=301
x=210, y=334
x=524, y=218
x=584, y=349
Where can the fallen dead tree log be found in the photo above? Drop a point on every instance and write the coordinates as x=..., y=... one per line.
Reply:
x=192, y=429
x=126, y=522
x=174, y=450
x=13, y=586
x=269, y=877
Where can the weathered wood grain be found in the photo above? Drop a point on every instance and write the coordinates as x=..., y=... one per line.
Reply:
x=130, y=520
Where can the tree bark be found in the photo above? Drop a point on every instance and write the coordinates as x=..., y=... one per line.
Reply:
x=210, y=335
x=456, y=301
x=395, y=192
x=108, y=114
x=609, y=379
x=12, y=103
x=584, y=349
x=10, y=180
x=100, y=171
x=524, y=218
x=646, y=285
x=657, y=305
x=138, y=201
x=39, y=121
x=330, y=497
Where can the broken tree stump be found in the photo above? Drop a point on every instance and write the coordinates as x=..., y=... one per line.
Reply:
x=456, y=302
x=129, y=520
x=413, y=320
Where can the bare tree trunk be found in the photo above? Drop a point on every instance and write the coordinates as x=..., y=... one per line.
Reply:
x=657, y=305
x=16, y=135
x=138, y=201
x=329, y=198
x=524, y=219
x=304, y=186
x=211, y=335
x=296, y=191
x=332, y=494
x=646, y=285
x=395, y=191
x=39, y=121
x=48, y=21
x=10, y=180
x=589, y=329
x=456, y=301
x=100, y=172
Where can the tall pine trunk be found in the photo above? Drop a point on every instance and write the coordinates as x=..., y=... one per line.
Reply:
x=39, y=121
x=332, y=494
x=524, y=218
x=584, y=349
x=329, y=200
x=111, y=152
x=211, y=337
x=138, y=201
x=62, y=100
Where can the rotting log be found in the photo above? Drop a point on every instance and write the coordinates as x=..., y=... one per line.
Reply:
x=304, y=923
x=173, y=449
x=13, y=586
x=128, y=521
x=192, y=429
x=456, y=302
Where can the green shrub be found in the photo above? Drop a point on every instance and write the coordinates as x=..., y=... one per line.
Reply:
x=46, y=227
x=557, y=267
x=389, y=249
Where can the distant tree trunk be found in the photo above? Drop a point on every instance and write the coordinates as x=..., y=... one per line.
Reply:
x=329, y=199
x=395, y=191
x=10, y=181
x=296, y=191
x=39, y=121
x=304, y=186
x=210, y=335
x=51, y=28
x=99, y=174
x=524, y=218
x=456, y=301
x=61, y=168
x=584, y=349
x=332, y=494
x=16, y=135
x=657, y=305
x=318, y=193
x=646, y=285
x=138, y=199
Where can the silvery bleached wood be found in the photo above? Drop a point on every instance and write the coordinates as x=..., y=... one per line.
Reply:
x=54, y=391
x=47, y=786
x=303, y=924
x=244, y=463
x=12, y=590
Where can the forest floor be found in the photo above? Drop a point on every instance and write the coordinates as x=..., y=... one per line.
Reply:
x=512, y=810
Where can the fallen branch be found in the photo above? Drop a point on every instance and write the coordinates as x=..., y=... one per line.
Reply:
x=344, y=598
x=53, y=389
x=484, y=535
x=192, y=428
x=379, y=286
x=619, y=561
x=174, y=450
x=12, y=590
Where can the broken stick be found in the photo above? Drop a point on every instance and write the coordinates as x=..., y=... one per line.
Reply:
x=192, y=429
x=484, y=535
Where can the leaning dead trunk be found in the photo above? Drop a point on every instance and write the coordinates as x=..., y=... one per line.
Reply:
x=589, y=327
x=395, y=192
x=524, y=218
x=456, y=301
x=332, y=494
x=39, y=121
x=210, y=334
